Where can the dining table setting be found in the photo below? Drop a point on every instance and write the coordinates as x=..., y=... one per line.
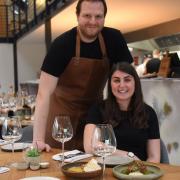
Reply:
x=54, y=171
x=21, y=160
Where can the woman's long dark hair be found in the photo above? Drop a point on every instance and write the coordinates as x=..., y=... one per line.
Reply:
x=136, y=109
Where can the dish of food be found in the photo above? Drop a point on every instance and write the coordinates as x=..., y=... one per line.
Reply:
x=137, y=170
x=82, y=169
x=115, y=160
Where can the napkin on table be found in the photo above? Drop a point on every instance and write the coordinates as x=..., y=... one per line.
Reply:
x=72, y=156
x=4, y=169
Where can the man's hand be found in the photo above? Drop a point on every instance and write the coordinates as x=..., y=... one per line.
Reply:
x=41, y=145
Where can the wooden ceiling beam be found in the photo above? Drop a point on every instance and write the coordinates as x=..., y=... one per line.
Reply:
x=163, y=29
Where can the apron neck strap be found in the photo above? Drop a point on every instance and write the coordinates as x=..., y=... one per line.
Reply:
x=102, y=45
x=77, y=44
x=101, y=42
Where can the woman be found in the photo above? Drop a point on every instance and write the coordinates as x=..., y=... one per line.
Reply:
x=135, y=123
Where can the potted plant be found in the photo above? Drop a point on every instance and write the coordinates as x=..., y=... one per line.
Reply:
x=32, y=155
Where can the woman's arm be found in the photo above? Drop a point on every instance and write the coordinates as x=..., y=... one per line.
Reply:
x=88, y=132
x=153, y=150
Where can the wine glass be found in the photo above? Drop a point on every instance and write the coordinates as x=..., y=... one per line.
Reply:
x=30, y=101
x=103, y=141
x=11, y=131
x=62, y=131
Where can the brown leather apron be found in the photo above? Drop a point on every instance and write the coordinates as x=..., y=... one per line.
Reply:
x=79, y=87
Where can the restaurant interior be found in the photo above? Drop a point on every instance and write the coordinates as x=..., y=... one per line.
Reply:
x=27, y=28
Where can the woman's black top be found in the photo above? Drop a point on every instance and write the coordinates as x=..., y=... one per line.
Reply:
x=129, y=138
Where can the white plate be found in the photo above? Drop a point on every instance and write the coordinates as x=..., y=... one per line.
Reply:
x=3, y=142
x=17, y=147
x=40, y=178
x=115, y=160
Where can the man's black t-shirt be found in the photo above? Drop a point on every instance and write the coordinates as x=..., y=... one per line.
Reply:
x=129, y=138
x=63, y=49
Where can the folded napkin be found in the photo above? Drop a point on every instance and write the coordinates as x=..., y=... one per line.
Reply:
x=72, y=156
x=4, y=169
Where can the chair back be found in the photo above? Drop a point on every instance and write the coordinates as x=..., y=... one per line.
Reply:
x=164, y=153
x=27, y=134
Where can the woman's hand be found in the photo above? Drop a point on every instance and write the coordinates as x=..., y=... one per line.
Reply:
x=41, y=145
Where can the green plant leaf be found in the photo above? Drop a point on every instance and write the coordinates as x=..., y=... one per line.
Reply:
x=33, y=152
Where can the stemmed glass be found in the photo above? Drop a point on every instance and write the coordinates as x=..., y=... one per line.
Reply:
x=30, y=100
x=103, y=141
x=62, y=131
x=11, y=131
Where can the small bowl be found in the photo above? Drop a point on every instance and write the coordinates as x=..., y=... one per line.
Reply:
x=44, y=165
x=69, y=173
x=22, y=165
x=34, y=166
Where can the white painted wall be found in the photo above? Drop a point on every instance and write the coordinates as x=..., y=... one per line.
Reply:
x=6, y=67
x=30, y=58
x=30, y=55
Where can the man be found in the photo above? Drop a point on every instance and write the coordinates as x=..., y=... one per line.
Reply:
x=74, y=73
x=141, y=69
x=152, y=66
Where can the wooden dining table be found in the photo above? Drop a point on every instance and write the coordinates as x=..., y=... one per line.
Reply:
x=170, y=172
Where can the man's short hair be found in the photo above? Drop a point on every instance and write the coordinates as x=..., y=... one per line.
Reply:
x=78, y=7
x=153, y=65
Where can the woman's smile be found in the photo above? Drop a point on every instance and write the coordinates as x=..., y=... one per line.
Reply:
x=123, y=86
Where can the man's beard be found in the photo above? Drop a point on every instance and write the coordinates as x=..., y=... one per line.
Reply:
x=90, y=35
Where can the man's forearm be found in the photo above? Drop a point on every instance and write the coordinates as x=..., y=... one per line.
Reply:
x=40, y=118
